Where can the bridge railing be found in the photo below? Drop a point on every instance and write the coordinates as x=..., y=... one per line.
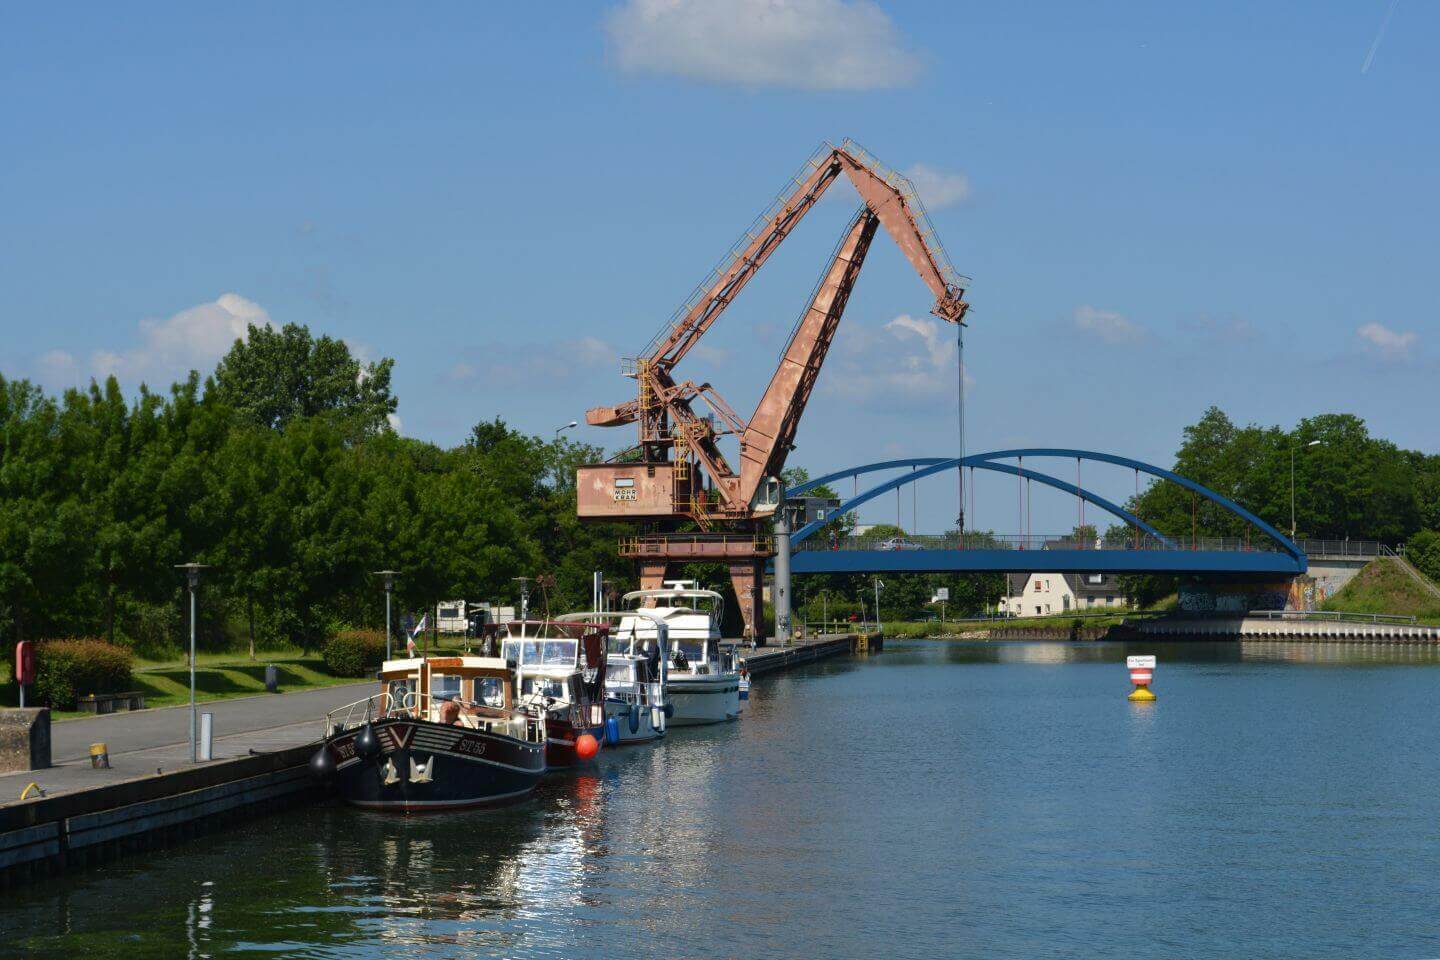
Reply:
x=982, y=541
x=1341, y=548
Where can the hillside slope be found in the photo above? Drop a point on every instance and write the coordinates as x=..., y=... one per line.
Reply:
x=1382, y=587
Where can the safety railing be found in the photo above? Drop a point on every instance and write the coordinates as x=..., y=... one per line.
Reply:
x=1329, y=616
x=424, y=706
x=986, y=541
x=1341, y=548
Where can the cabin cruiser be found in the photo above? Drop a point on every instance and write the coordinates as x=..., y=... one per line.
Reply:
x=560, y=669
x=703, y=676
x=637, y=704
x=442, y=733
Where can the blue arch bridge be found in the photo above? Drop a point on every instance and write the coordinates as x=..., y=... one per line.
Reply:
x=1269, y=554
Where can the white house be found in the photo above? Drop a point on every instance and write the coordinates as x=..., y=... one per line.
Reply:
x=1050, y=594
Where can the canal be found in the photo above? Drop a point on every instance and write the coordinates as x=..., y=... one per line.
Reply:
x=939, y=800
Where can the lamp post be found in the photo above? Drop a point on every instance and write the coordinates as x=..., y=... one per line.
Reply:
x=192, y=579
x=1312, y=443
x=879, y=585
x=569, y=426
x=389, y=576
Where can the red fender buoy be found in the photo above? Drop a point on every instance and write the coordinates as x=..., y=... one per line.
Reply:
x=586, y=746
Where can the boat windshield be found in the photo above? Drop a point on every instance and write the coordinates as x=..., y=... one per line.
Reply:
x=693, y=650
x=553, y=687
x=539, y=652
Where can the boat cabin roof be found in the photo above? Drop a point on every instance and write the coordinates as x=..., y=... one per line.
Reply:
x=466, y=665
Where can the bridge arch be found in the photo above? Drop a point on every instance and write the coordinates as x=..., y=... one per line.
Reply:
x=928, y=466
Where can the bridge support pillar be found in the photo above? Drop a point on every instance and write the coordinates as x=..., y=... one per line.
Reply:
x=780, y=593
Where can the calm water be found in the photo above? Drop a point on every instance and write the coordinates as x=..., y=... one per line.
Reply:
x=936, y=801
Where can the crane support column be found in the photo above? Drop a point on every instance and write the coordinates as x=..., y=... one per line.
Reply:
x=780, y=588
x=747, y=578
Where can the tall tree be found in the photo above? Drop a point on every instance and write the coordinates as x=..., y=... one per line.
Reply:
x=272, y=377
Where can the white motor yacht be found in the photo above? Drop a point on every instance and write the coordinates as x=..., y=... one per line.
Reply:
x=703, y=679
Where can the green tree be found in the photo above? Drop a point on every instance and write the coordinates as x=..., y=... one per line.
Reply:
x=272, y=377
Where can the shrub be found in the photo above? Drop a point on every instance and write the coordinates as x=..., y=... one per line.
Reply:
x=1423, y=551
x=354, y=653
x=69, y=669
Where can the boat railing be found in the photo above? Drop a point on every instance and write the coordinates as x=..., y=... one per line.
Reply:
x=357, y=714
x=518, y=722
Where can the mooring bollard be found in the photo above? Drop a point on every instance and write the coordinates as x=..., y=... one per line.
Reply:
x=207, y=736
x=99, y=756
x=1142, y=672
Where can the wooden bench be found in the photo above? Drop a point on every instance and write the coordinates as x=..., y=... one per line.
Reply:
x=110, y=702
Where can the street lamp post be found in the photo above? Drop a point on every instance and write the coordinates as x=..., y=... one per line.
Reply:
x=192, y=579
x=389, y=576
x=1312, y=443
x=879, y=585
x=569, y=426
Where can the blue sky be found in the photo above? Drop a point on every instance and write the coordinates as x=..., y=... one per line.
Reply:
x=1163, y=207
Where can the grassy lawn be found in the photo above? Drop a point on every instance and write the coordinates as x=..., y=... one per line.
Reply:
x=953, y=628
x=1382, y=587
x=218, y=676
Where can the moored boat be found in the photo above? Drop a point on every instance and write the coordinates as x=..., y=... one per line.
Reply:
x=560, y=669
x=703, y=677
x=443, y=733
x=637, y=704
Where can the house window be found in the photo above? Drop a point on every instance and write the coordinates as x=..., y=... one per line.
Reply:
x=1037, y=609
x=1095, y=578
x=1110, y=601
x=1065, y=602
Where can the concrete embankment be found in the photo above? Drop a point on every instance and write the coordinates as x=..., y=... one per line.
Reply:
x=1281, y=628
x=763, y=660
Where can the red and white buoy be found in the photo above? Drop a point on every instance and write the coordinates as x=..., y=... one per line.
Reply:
x=1142, y=672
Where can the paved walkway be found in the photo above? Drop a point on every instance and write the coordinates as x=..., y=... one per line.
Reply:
x=142, y=742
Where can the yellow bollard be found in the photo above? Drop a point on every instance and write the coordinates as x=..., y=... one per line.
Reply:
x=99, y=756
x=1142, y=672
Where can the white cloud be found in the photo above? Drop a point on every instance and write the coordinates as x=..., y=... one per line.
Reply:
x=1386, y=342
x=937, y=188
x=1108, y=325
x=395, y=423
x=194, y=338
x=908, y=360
x=809, y=44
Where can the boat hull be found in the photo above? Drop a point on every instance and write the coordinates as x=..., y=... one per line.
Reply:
x=704, y=699
x=636, y=724
x=560, y=743
x=422, y=767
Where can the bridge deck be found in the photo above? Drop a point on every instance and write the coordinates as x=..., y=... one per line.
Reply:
x=1253, y=563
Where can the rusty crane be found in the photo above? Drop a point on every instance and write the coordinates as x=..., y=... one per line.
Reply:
x=677, y=472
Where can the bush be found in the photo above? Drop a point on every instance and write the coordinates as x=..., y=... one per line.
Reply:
x=69, y=669
x=1423, y=551
x=354, y=653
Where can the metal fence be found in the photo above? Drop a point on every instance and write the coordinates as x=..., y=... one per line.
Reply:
x=952, y=541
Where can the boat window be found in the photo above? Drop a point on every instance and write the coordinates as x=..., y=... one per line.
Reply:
x=694, y=650
x=545, y=687
x=623, y=672
x=398, y=690
x=444, y=686
x=490, y=691
x=550, y=653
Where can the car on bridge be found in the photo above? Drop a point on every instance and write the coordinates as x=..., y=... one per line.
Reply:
x=900, y=543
